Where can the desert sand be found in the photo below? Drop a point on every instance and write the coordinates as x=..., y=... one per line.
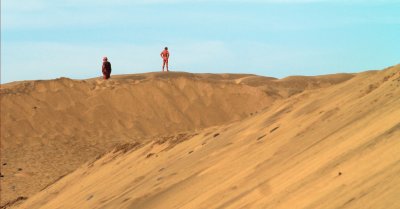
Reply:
x=181, y=140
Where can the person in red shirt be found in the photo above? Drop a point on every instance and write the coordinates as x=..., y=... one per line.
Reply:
x=106, y=68
x=165, y=55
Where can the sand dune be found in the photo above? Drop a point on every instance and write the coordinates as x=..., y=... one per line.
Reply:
x=49, y=128
x=204, y=141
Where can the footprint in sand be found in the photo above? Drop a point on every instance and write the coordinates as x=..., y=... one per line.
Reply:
x=259, y=138
x=150, y=154
x=274, y=129
x=90, y=197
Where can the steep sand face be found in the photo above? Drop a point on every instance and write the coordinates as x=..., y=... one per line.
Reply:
x=49, y=128
x=336, y=147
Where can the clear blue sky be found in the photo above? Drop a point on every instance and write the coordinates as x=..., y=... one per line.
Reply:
x=44, y=39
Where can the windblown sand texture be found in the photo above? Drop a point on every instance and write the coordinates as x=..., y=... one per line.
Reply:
x=182, y=140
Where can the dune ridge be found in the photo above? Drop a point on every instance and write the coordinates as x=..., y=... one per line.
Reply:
x=50, y=127
x=335, y=147
x=281, y=116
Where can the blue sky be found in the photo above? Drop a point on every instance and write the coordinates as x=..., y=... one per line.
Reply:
x=43, y=39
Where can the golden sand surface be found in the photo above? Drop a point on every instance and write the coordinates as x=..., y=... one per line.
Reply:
x=181, y=140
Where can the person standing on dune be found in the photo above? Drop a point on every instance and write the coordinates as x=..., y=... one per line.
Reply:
x=106, y=69
x=165, y=56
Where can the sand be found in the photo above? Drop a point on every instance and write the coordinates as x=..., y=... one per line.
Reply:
x=203, y=141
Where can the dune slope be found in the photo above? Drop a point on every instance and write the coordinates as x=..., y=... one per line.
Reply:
x=49, y=128
x=335, y=147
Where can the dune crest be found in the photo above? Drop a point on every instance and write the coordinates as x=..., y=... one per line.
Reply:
x=240, y=124
x=334, y=147
x=50, y=127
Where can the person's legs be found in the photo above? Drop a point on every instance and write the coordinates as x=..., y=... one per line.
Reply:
x=106, y=75
x=163, y=65
x=166, y=61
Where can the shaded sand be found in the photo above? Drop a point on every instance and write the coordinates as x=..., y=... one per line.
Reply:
x=49, y=128
x=333, y=147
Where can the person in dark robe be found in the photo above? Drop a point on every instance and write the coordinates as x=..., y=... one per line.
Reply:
x=106, y=69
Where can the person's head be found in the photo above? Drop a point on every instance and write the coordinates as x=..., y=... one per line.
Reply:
x=166, y=48
x=105, y=59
